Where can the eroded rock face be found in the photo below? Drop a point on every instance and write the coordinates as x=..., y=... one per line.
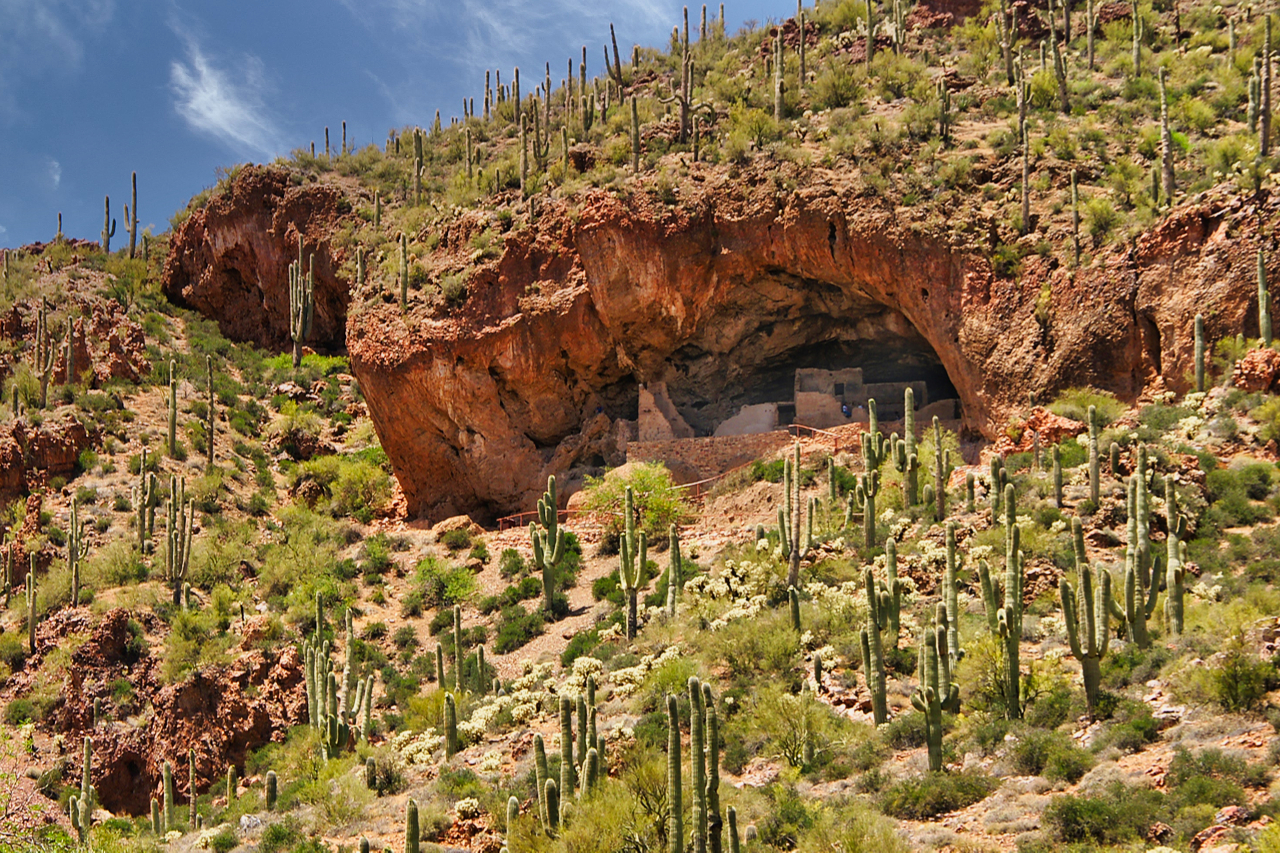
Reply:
x=721, y=295
x=230, y=259
x=738, y=284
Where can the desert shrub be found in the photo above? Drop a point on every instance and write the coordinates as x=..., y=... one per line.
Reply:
x=441, y=584
x=1074, y=403
x=510, y=563
x=1115, y=814
x=115, y=564
x=351, y=485
x=1240, y=679
x=658, y=503
x=516, y=627
x=12, y=650
x=851, y=827
x=1051, y=754
x=1134, y=729
x=456, y=540
x=933, y=794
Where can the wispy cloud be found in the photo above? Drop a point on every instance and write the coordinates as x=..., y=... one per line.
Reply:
x=40, y=37
x=227, y=107
x=55, y=172
x=502, y=31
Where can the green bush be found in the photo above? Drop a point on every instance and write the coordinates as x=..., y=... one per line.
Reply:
x=12, y=650
x=657, y=501
x=443, y=585
x=1241, y=679
x=516, y=627
x=510, y=563
x=933, y=794
x=456, y=540
x=1051, y=754
x=1074, y=403
x=352, y=486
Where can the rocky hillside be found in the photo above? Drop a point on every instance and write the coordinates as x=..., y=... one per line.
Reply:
x=258, y=599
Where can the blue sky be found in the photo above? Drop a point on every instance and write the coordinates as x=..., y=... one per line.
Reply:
x=91, y=90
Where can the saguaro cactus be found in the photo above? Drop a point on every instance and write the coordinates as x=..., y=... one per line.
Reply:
x=301, y=302
x=791, y=517
x=1174, y=572
x=173, y=407
x=1199, y=353
x=633, y=550
x=1056, y=454
x=951, y=605
x=1139, y=592
x=935, y=690
x=177, y=555
x=411, y=836
x=450, y=726
x=675, y=820
x=540, y=777
x=697, y=764
x=213, y=416
x=108, y=224
x=272, y=787
x=873, y=653
x=1087, y=615
x=712, y=739
x=673, y=571
x=31, y=605
x=635, y=137
x=941, y=470
x=548, y=543
x=1094, y=474
x=1006, y=621
x=131, y=216
x=1264, y=299
x=865, y=496
x=567, y=768
x=170, y=799
x=77, y=550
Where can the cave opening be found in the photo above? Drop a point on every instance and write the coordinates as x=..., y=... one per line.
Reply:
x=818, y=370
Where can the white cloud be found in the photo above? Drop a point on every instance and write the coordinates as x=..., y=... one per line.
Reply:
x=42, y=37
x=55, y=172
x=214, y=102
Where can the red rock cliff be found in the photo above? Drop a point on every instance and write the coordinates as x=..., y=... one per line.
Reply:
x=722, y=294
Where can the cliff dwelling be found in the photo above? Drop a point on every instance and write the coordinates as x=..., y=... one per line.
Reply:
x=777, y=395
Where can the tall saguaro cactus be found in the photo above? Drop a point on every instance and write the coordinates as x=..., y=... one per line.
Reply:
x=1140, y=592
x=1264, y=299
x=873, y=653
x=936, y=690
x=1199, y=353
x=1174, y=572
x=131, y=217
x=177, y=558
x=1006, y=621
x=865, y=496
x=108, y=225
x=941, y=470
x=673, y=571
x=675, y=820
x=31, y=605
x=77, y=550
x=301, y=302
x=1094, y=473
x=633, y=550
x=548, y=542
x=791, y=517
x=1087, y=614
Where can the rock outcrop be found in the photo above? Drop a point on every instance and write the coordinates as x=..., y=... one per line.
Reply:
x=717, y=293
x=722, y=293
x=230, y=259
